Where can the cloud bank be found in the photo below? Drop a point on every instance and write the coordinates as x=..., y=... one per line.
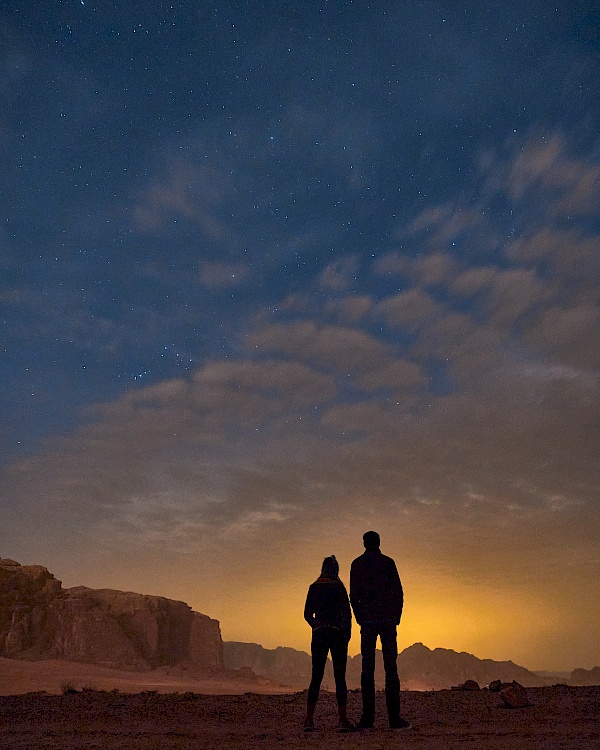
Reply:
x=457, y=413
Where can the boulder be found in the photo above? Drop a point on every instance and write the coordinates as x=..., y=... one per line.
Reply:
x=514, y=696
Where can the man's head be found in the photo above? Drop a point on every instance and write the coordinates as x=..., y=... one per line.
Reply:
x=371, y=540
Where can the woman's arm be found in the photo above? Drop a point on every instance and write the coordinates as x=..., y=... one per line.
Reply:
x=309, y=609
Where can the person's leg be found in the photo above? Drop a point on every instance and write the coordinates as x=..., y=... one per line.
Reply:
x=319, y=648
x=389, y=648
x=368, y=640
x=339, y=657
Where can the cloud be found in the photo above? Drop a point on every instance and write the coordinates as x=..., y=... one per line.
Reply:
x=569, y=256
x=458, y=415
x=392, y=264
x=298, y=383
x=567, y=333
x=365, y=416
x=217, y=274
x=472, y=281
x=395, y=374
x=64, y=317
x=468, y=349
x=188, y=191
x=337, y=347
x=441, y=225
x=544, y=165
x=513, y=293
x=351, y=309
x=409, y=309
x=429, y=269
x=339, y=275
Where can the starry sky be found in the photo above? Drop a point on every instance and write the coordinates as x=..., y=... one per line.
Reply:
x=273, y=274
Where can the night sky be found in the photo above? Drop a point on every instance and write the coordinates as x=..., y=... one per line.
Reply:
x=276, y=273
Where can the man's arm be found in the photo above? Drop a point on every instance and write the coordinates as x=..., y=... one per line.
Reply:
x=355, y=590
x=346, y=611
x=396, y=590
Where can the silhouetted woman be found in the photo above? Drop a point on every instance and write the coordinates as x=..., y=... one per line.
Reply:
x=327, y=611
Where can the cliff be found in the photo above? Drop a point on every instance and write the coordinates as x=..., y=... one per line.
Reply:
x=41, y=620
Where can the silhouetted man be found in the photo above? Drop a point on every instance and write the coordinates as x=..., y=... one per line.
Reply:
x=377, y=599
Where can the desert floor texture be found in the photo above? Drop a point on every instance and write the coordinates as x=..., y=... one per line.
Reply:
x=559, y=718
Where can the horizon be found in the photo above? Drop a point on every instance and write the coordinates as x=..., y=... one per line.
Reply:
x=354, y=647
x=274, y=275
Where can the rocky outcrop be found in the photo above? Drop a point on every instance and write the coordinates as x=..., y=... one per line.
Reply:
x=124, y=630
x=585, y=676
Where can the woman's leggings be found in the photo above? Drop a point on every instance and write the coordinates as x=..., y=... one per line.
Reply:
x=327, y=639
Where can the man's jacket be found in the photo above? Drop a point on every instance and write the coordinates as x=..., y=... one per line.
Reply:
x=375, y=590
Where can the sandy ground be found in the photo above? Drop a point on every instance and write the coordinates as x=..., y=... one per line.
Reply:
x=559, y=718
x=52, y=676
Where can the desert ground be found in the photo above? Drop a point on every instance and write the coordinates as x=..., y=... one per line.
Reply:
x=186, y=714
x=53, y=676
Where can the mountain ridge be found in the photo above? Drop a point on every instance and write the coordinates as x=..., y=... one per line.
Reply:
x=419, y=667
x=41, y=620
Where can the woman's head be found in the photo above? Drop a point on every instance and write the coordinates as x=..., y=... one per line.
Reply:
x=330, y=568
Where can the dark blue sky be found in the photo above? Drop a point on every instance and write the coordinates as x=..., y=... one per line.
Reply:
x=366, y=233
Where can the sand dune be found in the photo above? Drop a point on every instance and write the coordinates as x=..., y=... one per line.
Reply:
x=560, y=718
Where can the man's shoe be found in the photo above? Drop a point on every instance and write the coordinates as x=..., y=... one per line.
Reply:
x=400, y=724
x=365, y=723
x=346, y=726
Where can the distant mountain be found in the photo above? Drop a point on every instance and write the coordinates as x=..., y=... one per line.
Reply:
x=443, y=668
x=284, y=665
x=420, y=668
x=554, y=677
x=585, y=676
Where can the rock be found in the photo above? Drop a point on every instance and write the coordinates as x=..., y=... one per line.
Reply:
x=467, y=685
x=495, y=686
x=514, y=695
x=124, y=630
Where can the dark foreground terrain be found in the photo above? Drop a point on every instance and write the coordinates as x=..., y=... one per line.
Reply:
x=559, y=718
